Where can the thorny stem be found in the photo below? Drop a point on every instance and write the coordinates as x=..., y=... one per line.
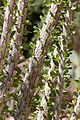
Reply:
x=36, y=64
x=5, y=37
x=14, y=54
x=43, y=110
x=63, y=48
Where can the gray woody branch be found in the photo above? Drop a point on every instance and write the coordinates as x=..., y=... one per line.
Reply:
x=36, y=63
x=5, y=37
x=14, y=54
